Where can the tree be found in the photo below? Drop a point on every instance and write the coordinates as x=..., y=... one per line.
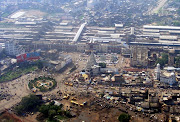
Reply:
x=28, y=103
x=51, y=114
x=40, y=65
x=160, y=61
x=165, y=57
x=102, y=65
x=124, y=117
x=163, y=60
x=177, y=62
x=51, y=111
x=44, y=109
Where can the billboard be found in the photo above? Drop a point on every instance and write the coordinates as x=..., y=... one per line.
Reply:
x=28, y=57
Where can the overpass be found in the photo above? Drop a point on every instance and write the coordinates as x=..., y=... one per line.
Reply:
x=79, y=32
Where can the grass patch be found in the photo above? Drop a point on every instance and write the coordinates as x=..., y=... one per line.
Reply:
x=13, y=74
x=34, y=83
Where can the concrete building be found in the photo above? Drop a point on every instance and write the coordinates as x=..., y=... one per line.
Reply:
x=13, y=48
x=171, y=57
x=165, y=76
x=167, y=34
x=168, y=78
x=139, y=56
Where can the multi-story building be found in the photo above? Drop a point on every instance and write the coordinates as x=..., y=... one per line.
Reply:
x=139, y=56
x=13, y=48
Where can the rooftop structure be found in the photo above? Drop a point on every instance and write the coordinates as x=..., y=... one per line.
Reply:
x=175, y=44
x=118, y=25
x=18, y=14
x=171, y=69
x=161, y=27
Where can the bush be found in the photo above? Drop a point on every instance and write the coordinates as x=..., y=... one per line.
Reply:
x=27, y=104
x=54, y=112
x=102, y=65
x=124, y=117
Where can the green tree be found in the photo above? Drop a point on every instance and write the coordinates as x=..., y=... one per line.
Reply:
x=176, y=23
x=40, y=65
x=44, y=109
x=28, y=103
x=68, y=114
x=102, y=65
x=160, y=61
x=124, y=117
x=163, y=60
x=52, y=110
x=177, y=62
x=165, y=57
x=51, y=114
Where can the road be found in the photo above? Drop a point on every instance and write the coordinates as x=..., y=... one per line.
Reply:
x=160, y=3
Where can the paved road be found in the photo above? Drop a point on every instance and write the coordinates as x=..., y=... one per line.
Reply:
x=160, y=3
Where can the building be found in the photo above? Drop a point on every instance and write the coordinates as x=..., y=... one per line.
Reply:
x=139, y=56
x=13, y=48
x=92, y=3
x=92, y=67
x=28, y=57
x=171, y=57
x=58, y=65
x=168, y=78
x=164, y=34
x=165, y=76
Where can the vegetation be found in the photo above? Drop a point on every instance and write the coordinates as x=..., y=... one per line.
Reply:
x=2, y=55
x=18, y=70
x=33, y=83
x=176, y=23
x=40, y=64
x=163, y=60
x=102, y=65
x=177, y=62
x=54, y=113
x=27, y=104
x=124, y=117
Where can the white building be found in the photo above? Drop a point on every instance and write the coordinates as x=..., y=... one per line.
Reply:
x=92, y=3
x=165, y=76
x=168, y=78
x=13, y=48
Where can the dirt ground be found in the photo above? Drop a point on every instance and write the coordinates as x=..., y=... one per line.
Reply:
x=86, y=114
x=36, y=13
x=7, y=117
x=106, y=115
